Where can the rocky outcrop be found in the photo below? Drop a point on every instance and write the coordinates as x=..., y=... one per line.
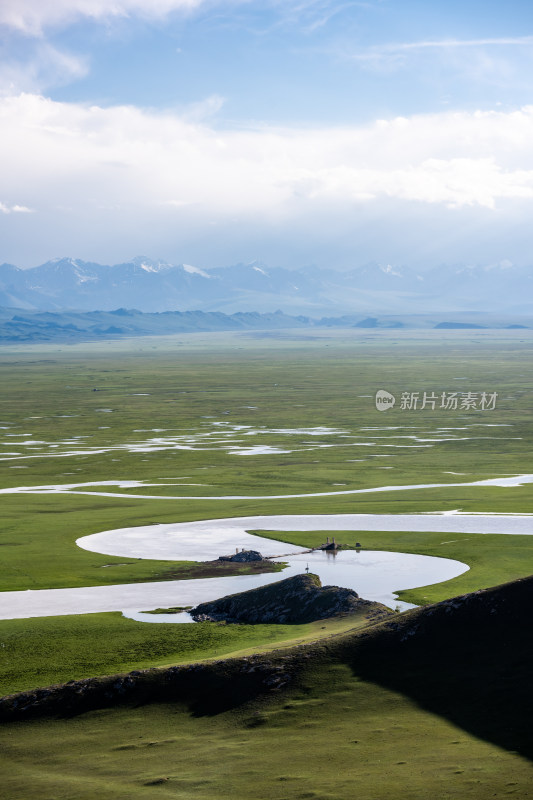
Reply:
x=244, y=555
x=294, y=600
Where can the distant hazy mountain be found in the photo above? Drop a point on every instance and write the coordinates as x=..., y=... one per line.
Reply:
x=26, y=325
x=72, y=326
x=154, y=286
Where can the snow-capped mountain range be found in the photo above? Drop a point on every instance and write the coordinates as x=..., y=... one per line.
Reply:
x=148, y=285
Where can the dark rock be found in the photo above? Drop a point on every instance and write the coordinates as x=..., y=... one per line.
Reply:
x=294, y=600
x=244, y=555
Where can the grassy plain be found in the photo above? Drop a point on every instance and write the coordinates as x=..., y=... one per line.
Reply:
x=129, y=411
x=169, y=413
x=185, y=413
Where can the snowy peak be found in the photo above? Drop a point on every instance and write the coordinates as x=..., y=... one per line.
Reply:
x=389, y=270
x=59, y=272
x=148, y=265
x=257, y=266
x=195, y=271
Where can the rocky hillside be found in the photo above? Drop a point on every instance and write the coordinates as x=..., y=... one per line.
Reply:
x=295, y=600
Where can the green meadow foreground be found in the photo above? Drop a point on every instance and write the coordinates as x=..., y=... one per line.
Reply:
x=356, y=739
x=204, y=417
x=435, y=703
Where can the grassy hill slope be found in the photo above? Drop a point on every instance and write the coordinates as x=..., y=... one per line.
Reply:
x=436, y=702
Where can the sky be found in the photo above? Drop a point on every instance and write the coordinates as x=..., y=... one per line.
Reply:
x=293, y=132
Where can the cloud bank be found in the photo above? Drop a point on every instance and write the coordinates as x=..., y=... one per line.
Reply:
x=126, y=155
x=127, y=167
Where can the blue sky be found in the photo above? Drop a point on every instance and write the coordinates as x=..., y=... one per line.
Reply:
x=296, y=132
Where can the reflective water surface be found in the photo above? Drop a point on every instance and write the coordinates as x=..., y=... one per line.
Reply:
x=375, y=575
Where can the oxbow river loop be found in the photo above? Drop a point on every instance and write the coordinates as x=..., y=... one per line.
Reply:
x=374, y=575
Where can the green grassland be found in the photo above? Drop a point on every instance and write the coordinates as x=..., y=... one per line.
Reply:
x=182, y=386
x=342, y=734
x=49, y=650
x=182, y=390
x=436, y=705
x=342, y=738
x=115, y=395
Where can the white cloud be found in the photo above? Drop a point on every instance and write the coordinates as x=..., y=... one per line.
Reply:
x=15, y=209
x=44, y=66
x=32, y=17
x=453, y=182
x=123, y=168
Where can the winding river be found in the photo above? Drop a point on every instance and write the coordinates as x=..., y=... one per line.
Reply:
x=375, y=575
